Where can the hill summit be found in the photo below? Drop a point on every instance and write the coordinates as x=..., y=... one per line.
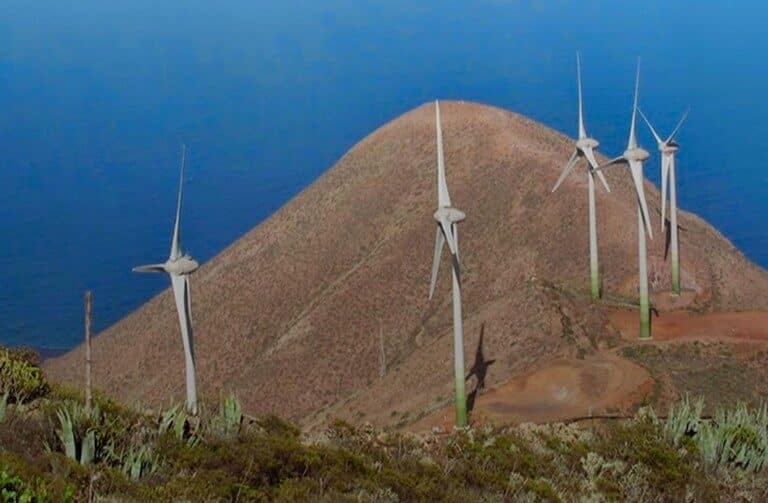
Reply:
x=292, y=316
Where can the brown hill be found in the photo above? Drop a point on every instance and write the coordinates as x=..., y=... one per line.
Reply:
x=290, y=316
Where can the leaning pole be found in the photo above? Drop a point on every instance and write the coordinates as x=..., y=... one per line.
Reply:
x=645, y=311
x=594, y=276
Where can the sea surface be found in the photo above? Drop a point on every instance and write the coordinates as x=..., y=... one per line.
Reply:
x=97, y=97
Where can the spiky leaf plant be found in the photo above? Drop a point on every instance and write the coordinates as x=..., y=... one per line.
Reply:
x=684, y=419
x=3, y=406
x=176, y=420
x=77, y=431
x=140, y=462
x=226, y=424
x=66, y=433
x=88, y=448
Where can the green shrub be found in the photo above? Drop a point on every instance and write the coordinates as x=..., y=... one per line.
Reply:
x=21, y=379
x=13, y=489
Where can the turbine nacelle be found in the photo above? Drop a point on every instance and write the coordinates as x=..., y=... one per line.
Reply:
x=181, y=266
x=584, y=144
x=669, y=147
x=452, y=215
x=638, y=154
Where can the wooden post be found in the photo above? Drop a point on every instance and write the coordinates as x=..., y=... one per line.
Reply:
x=382, y=354
x=88, y=320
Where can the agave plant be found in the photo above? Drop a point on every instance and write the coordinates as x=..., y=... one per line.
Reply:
x=139, y=462
x=176, y=420
x=736, y=437
x=226, y=424
x=684, y=419
x=3, y=406
x=68, y=436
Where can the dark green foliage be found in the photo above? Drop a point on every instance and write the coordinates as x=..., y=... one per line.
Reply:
x=643, y=442
x=169, y=456
x=21, y=378
x=13, y=489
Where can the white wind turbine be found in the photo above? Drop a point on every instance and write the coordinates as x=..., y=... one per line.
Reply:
x=668, y=149
x=447, y=219
x=585, y=148
x=634, y=156
x=179, y=266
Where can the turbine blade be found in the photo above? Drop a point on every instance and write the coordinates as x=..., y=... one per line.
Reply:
x=632, y=143
x=637, y=177
x=455, y=230
x=449, y=238
x=568, y=168
x=653, y=131
x=439, y=241
x=664, y=180
x=446, y=225
x=590, y=154
x=150, y=268
x=679, y=124
x=188, y=295
x=443, y=198
x=176, y=239
x=582, y=129
x=180, y=287
x=612, y=162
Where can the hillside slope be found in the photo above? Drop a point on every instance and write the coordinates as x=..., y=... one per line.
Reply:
x=290, y=316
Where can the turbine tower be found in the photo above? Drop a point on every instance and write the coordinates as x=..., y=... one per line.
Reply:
x=668, y=149
x=179, y=266
x=634, y=156
x=585, y=148
x=447, y=230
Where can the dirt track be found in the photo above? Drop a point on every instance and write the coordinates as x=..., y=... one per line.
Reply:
x=605, y=383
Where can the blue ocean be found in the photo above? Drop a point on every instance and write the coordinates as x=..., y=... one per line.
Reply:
x=97, y=97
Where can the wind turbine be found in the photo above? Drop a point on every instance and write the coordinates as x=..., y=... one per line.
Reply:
x=585, y=148
x=447, y=230
x=179, y=266
x=668, y=149
x=634, y=156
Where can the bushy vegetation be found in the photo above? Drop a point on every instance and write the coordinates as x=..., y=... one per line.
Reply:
x=13, y=489
x=52, y=449
x=20, y=376
x=736, y=437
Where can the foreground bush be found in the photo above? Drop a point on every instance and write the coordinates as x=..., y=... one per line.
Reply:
x=736, y=437
x=20, y=378
x=52, y=449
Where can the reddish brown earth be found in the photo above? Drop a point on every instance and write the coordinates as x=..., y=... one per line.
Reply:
x=681, y=325
x=562, y=389
x=289, y=316
x=606, y=383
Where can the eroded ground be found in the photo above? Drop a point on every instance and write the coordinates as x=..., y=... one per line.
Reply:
x=721, y=356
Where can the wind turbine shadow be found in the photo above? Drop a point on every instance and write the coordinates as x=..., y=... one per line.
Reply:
x=479, y=370
x=668, y=235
